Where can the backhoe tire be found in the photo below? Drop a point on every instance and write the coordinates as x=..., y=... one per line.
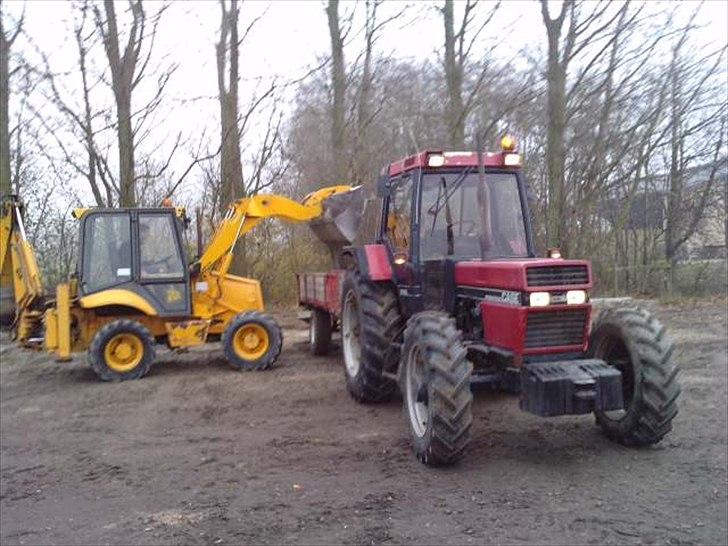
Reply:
x=121, y=350
x=435, y=384
x=371, y=327
x=319, y=330
x=637, y=344
x=252, y=341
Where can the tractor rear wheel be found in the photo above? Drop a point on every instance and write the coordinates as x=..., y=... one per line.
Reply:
x=121, y=350
x=435, y=384
x=371, y=325
x=319, y=332
x=252, y=341
x=633, y=341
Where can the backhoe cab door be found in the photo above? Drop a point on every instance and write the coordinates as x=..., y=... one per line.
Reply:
x=133, y=258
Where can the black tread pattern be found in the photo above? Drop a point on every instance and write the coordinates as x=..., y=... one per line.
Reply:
x=656, y=390
x=321, y=330
x=96, y=350
x=274, y=332
x=381, y=328
x=451, y=399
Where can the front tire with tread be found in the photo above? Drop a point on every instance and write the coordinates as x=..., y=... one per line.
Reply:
x=632, y=340
x=433, y=343
x=275, y=341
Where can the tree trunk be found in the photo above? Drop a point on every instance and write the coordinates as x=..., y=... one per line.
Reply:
x=127, y=197
x=5, y=186
x=232, y=186
x=555, y=147
x=454, y=81
x=338, y=85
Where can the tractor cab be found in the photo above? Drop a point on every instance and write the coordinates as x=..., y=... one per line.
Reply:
x=440, y=208
x=135, y=256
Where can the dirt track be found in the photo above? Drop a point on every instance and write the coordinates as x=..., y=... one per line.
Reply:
x=197, y=453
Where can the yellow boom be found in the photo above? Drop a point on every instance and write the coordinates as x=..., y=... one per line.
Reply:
x=21, y=287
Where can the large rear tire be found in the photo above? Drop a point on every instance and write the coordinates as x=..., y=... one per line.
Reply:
x=633, y=341
x=319, y=332
x=252, y=341
x=435, y=383
x=121, y=350
x=371, y=325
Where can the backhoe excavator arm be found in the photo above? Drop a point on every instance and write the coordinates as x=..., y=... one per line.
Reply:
x=20, y=281
x=243, y=215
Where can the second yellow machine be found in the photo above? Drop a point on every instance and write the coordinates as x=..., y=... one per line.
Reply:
x=133, y=287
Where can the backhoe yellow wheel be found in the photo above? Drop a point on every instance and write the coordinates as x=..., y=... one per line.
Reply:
x=121, y=350
x=252, y=341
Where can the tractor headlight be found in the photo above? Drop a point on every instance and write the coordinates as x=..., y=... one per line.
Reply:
x=511, y=160
x=435, y=160
x=576, y=297
x=539, y=299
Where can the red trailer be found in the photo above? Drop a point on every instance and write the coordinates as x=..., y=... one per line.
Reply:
x=320, y=293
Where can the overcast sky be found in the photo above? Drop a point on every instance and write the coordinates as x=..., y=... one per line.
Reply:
x=291, y=37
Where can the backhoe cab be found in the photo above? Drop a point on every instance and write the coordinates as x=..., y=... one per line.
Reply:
x=451, y=293
x=133, y=287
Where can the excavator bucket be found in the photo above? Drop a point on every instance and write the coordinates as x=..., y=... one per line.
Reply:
x=343, y=213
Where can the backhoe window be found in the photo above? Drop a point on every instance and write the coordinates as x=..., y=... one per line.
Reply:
x=107, y=247
x=160, y=258
x=460, y=219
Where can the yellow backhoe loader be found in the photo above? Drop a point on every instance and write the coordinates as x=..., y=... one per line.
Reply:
x=132, y=287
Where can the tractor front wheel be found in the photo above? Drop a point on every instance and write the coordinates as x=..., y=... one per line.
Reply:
x=121, y=350
x=435, y=384
x=252, y=341
x=633, y=341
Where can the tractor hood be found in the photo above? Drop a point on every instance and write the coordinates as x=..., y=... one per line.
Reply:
x=529, y=275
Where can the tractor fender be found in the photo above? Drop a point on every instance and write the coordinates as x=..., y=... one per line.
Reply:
x=372, y=262
x=118, y=296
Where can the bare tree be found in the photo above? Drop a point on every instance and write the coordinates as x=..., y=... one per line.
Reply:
x=6, y=42
x=128, y=68
x=458, y=49
x=338, y=86
x=227, y=52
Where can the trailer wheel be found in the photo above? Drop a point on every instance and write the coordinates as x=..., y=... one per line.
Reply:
x=371, y=325
x=121, y=350
x=633, y=341
x=319, y=332
x=435, y=383
x=252, y=341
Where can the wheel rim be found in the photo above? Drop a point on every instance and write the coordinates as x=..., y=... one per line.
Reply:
x=124, y=352
x=350, y=333
x=614, y=351
x=251, y=341
x=417, y=392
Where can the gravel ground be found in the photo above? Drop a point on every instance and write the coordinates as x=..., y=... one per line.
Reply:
x=198, y=453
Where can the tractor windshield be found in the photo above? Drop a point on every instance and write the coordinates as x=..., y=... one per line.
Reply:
x=462, y=219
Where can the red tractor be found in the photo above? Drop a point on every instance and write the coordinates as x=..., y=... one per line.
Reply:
x=451, y=293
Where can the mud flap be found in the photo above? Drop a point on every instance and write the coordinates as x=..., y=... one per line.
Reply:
x=570, y=387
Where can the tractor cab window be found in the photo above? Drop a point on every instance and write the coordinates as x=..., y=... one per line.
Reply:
x=462, y=219
x=158, y=252
x=107, y=247
x=399, y=216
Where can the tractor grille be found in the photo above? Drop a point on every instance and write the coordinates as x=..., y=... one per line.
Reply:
x=557, y=275
x=552, y=329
